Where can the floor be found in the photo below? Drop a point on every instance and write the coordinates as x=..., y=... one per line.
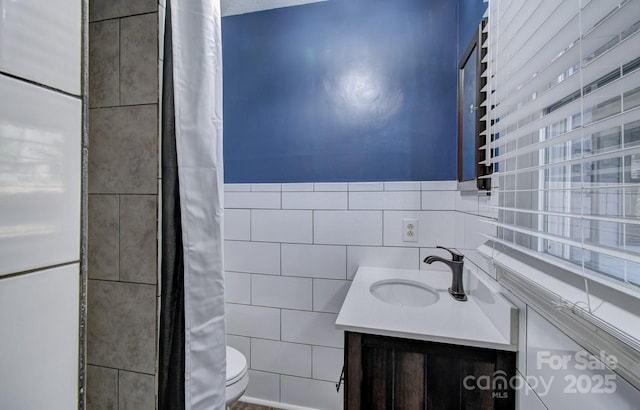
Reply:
x=247, y=406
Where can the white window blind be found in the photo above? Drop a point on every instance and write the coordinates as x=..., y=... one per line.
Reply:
x=565, y=110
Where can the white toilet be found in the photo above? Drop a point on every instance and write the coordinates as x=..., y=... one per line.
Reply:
x=237, y=376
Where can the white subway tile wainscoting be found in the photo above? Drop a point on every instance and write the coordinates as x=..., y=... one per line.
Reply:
x=291, y=251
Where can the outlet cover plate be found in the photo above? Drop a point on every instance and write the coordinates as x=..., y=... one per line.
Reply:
x=410, y=230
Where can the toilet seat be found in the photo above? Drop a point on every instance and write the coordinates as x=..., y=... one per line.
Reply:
x=236, y=366
x=237, y=375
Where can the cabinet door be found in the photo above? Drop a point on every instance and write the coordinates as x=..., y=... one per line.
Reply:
x=392, y=373
x=377, y=378
x=446, y=382
x=387, y=373
x=409, y=380
x=461, y=377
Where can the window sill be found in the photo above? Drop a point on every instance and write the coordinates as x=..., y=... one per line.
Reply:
x=561, y=297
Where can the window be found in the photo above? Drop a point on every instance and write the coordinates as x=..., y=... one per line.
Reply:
x=565, y=103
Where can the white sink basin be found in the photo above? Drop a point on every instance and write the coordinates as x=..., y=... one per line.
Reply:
x=402, y=292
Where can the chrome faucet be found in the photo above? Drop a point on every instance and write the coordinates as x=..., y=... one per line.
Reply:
x=455, y=264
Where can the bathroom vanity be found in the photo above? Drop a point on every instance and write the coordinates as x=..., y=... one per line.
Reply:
x=410, y=345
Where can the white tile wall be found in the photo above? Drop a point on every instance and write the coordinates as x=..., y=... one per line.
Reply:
x=315, y=200
x=311, y=279
x=434, y=228
x=311, y=393
x=253, y=257
x=237, y=224
x=301, y=187
x=438, y=200
x=366, y=186
x=348, y=227
x=252, y=200
x=237, y=188
x=280, y=357
x=40, y=41
x=40, y=132
x=40, y=173
x=467, y=203
x=282, y=292
x=311, y=328
x=237, y=287
x=402, y=186
x=318, y=261
x=290, y=252
x=474, y=227
x=439, y=185
x=253, y=321
x=459, y=230
x=39, y=342
x=281, y=226
x=328, y=295
x=330, y=186
x=389, y=257
x=263, y=385
x=385, y=200
x=327, y=363
x=266, y=187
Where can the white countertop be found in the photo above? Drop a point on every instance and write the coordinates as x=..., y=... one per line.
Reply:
x=446, y=321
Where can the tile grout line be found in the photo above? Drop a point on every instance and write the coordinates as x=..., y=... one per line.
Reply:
x=346, y=261
x=39, y=269
x=117, y=388
x=120, y=370
x=25, y=80
x=121, y=17
x=119, y=235
x=119, y=61
x=105, y=107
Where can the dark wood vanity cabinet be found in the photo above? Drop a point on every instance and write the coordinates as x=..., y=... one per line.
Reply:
x=391, y=373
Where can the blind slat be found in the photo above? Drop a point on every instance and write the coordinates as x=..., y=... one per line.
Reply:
x=619, y=153
x=593, y=128
x=562, y=240
x=589, y=217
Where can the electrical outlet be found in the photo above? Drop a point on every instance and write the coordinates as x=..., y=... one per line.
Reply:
x=410, y=230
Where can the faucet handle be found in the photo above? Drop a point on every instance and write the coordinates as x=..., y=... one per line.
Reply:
x=455, y=255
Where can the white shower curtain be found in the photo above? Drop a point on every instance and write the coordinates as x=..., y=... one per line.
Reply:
x=197, y=76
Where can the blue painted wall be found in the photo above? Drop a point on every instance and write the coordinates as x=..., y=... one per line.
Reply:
x=344, y=90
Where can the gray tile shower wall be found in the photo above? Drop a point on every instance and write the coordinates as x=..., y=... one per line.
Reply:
x=102, y=388
x=139, y=59
x=123, y=204
x=124, y=150
x=104, y=67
